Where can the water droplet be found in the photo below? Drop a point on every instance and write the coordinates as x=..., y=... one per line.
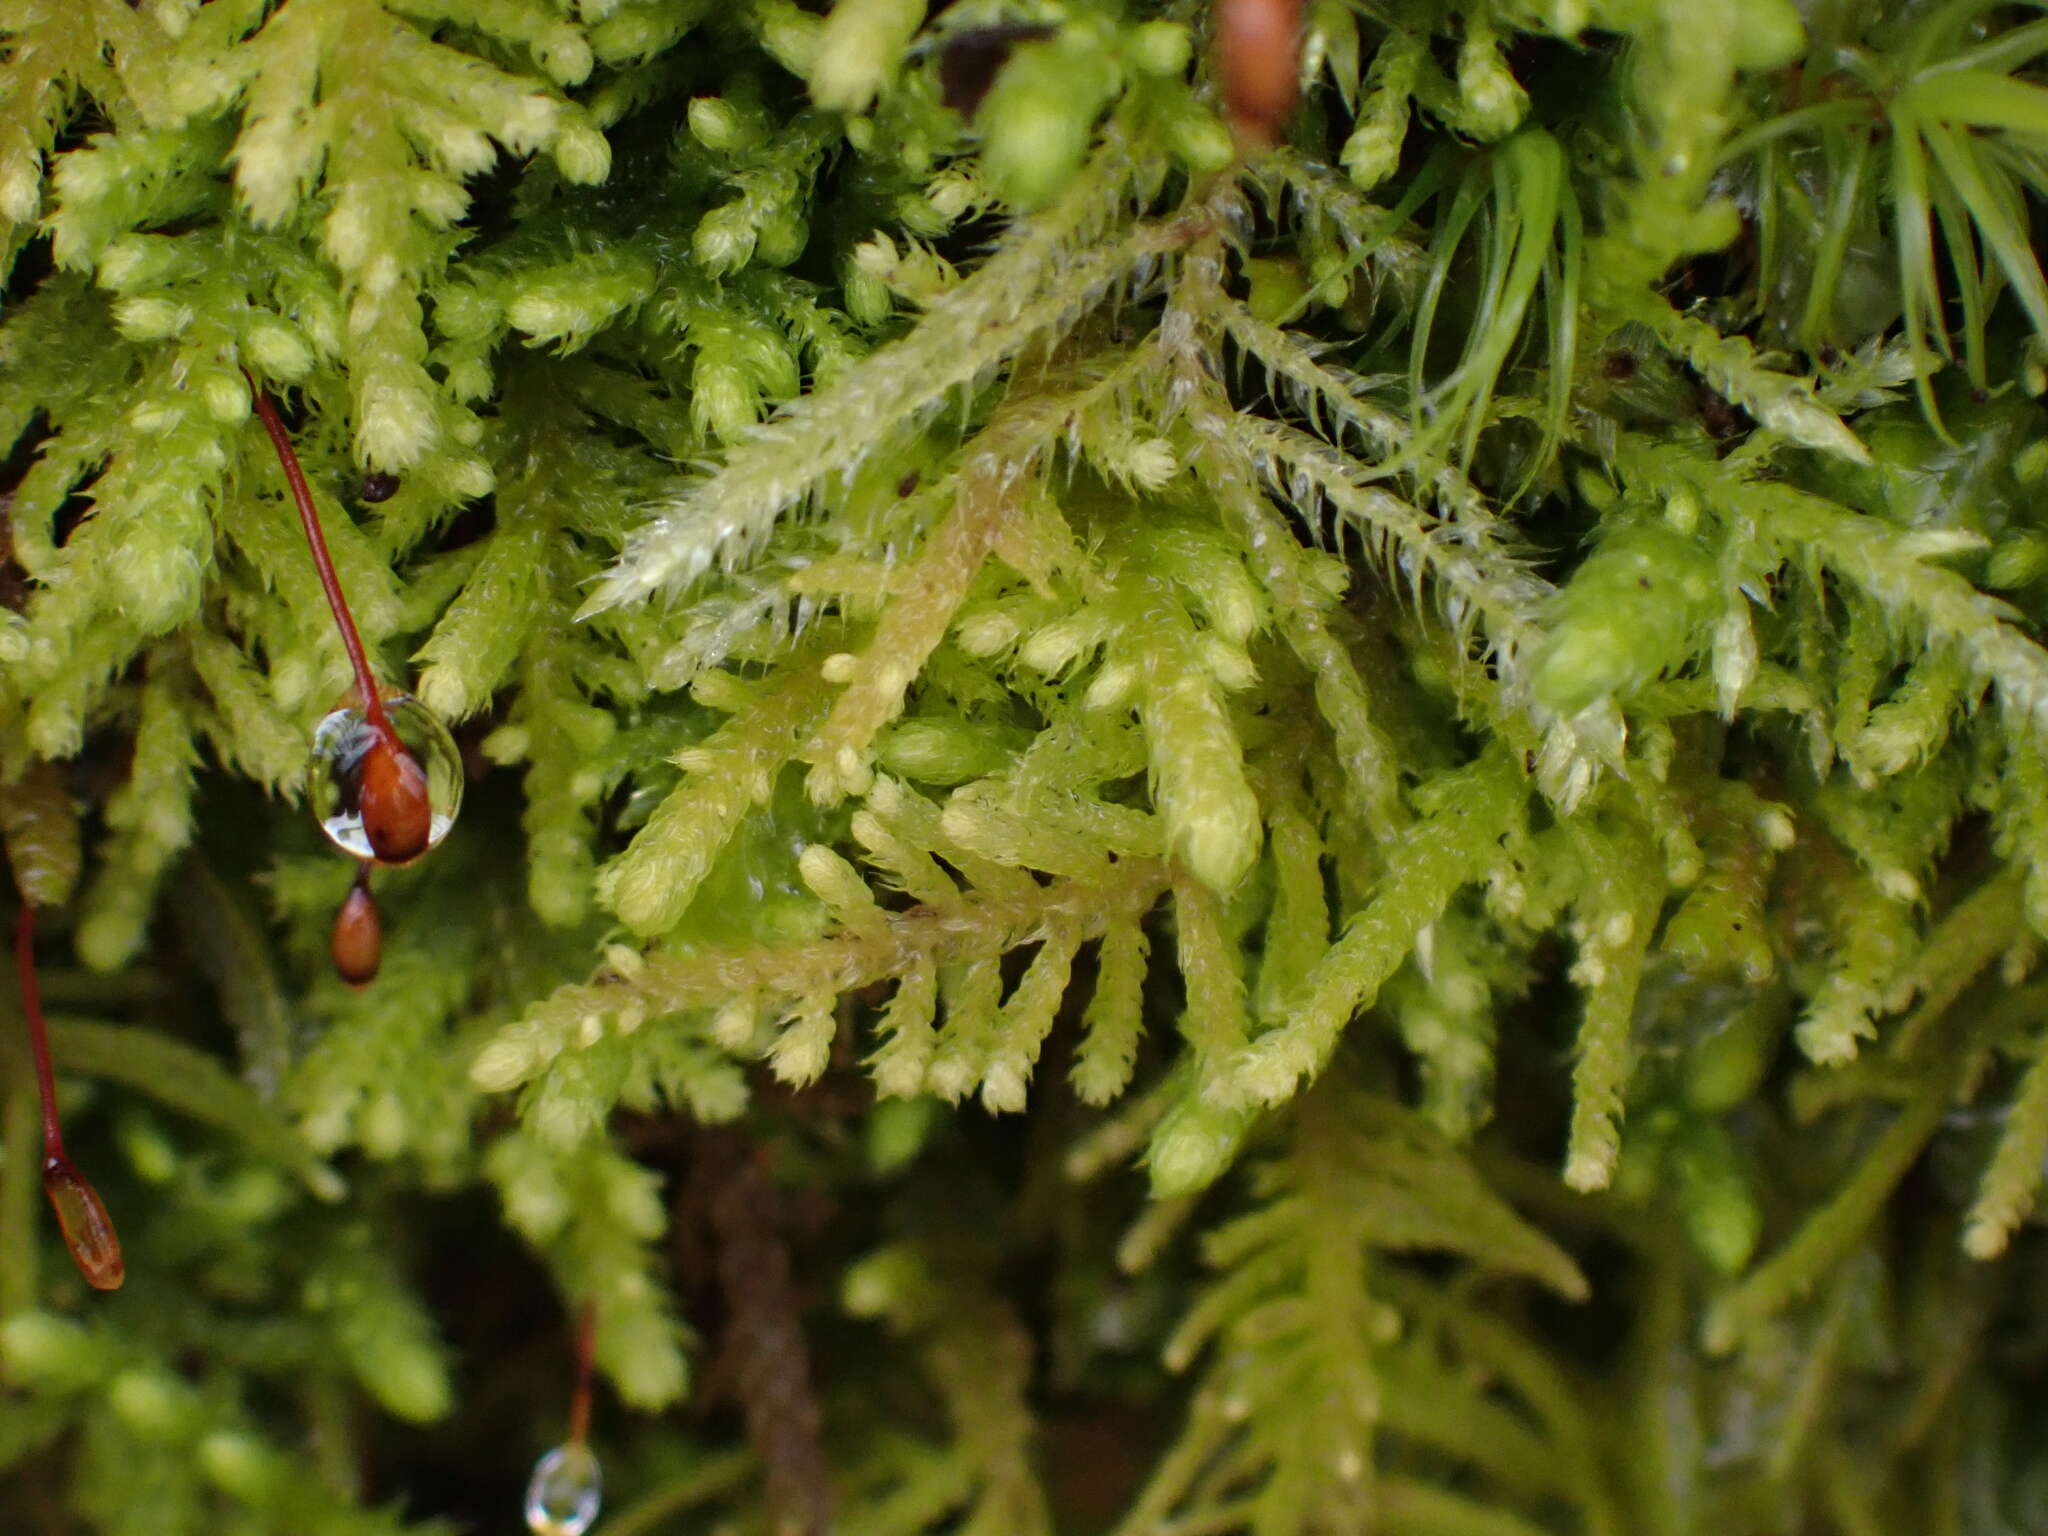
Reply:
x=358, y=942
x=566, y=1490
x=378, y=486
x=379, y=799
x=88, y=1230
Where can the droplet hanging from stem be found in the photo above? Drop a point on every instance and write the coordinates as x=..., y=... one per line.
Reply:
x=349, y=780
x=393, y=794
x=88, y=1230
x=567, y=1487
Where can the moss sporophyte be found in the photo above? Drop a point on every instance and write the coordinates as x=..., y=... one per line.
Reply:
x=385, y=780
x=567, y=1487
x=1244, y=767
x=88, y=1231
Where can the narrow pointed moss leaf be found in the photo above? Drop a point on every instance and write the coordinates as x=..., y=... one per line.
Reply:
x=39, y=823
x=222, y=934
x=195, y=1085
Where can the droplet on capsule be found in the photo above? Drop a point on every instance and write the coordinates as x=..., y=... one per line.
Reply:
x=567, y=1487
x=88, y=1230
x=397, y=816
x=358, y=941
x=380, y=798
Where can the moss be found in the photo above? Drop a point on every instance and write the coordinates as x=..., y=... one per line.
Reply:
x=1326, y=836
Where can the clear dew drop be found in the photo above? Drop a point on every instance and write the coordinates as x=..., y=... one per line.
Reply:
x=563, y=1497
x=343, y=743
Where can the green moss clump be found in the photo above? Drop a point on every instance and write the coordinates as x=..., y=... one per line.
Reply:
x=1347, y=838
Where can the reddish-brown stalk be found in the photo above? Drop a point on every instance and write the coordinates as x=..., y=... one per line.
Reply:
x=396, y=809
x=88, y=1231
x=586, y=1358
x=316, y=541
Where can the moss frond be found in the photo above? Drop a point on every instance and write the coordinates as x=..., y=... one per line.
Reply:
x=1069, y=723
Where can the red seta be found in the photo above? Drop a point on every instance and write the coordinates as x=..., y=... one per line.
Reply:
x=396, y=810
x=586, y=1360
x=88, y=1230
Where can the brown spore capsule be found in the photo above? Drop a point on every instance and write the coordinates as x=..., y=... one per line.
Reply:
x=88, y=1230
x=398, y=812
x=1258, y=61
x=358, y=942
x=378, y=486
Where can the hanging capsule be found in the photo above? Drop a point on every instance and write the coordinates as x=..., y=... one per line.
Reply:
x=380, y=770
x=358, y=942
x=1258, y=61
x=378, y=486
x=385, y=794
x=398, y=815
x=88, y=1230
x=566, y=1490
